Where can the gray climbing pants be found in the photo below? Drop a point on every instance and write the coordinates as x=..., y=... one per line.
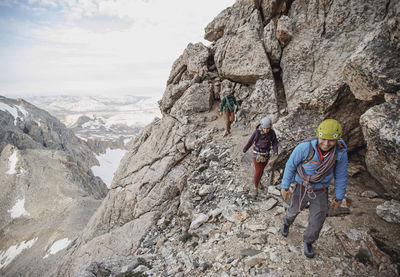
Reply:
x=318, y=211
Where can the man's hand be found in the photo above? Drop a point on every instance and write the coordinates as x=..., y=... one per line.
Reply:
x=335, y=204
x=220, y=113
x=286, y=193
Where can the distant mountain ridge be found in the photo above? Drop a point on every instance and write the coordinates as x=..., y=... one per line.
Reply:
x=135, y=111
x=48, y=191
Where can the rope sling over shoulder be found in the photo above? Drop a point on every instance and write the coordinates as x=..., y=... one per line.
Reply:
x=228, y=104
x=319, y=173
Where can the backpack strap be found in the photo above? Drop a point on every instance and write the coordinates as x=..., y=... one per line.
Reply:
x=257, y=137
x=228, y=104
x=311, y=153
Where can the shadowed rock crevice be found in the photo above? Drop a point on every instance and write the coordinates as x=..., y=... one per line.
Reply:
x=348, y=110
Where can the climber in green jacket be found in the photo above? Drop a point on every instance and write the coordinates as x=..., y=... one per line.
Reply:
x=227, y=105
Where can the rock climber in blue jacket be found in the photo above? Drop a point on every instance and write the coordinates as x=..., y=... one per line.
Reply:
x=312, y=166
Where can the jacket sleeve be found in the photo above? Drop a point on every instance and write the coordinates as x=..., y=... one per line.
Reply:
x=291, y=165
x=250, y=142
x=221, y=106
x=274, y=142
x=341, y=177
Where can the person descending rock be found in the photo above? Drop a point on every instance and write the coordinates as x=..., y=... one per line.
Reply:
x=227, y=105
x=313, y=164
x=262, y=137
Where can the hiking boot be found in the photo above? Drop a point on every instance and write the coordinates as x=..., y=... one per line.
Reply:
x=255, y=192
x=308, y=250
x=285, y=230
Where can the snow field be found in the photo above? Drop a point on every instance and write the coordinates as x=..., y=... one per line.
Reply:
x=13, y=111
x=13, y=159
x=57, y=246
x=18, y=210
x=109, y=163
x=13, y=251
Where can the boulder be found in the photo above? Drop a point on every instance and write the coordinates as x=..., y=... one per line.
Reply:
x=195, y=57
x=324, y=37
x=272, y=9
x=389, y=211
x=188, y=69
x=261, y=102
x=381, y=125
x=198, y=98
x=241, y=57
x=284, y=30
x=172, y=93
x=271, y=43
x=215, y=29
x=373, y=69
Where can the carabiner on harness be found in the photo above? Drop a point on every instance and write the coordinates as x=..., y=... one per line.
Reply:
x=308, y=190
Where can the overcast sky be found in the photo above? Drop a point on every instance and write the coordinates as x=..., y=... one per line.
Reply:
x=50, y=47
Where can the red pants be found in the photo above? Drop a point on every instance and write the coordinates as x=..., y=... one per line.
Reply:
x=229, y=118
x=258, y=171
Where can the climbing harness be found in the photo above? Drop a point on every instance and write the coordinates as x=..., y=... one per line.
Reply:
x=327, y=162
x=261, y=158
x=309, y=191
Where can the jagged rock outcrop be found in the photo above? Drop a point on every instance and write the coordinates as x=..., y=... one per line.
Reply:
x=381, y=128
x=373, y=70
x=48, y=190
x=189, y=187
x=241, y=57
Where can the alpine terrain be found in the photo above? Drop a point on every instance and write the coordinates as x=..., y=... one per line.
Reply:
x=48, y=191
x=181, y=201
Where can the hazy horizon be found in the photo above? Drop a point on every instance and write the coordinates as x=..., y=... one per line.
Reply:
x=140, y=92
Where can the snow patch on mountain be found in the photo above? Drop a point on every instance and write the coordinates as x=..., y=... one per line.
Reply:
x=13, y=251
x=57, y=246
x=13, y=110
x=19, y=209
x=13, y=162
x=109, y=162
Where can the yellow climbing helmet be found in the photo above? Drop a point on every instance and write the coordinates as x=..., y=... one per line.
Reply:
x=329, y=129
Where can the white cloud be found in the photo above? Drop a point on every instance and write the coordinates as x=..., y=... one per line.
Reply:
x=48, y=3
x=106, y=45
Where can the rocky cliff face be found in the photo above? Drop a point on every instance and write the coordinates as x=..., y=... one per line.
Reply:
x=48, y=191
x=179, y=204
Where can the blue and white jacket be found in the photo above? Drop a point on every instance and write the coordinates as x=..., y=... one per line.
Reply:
x=339, y=172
